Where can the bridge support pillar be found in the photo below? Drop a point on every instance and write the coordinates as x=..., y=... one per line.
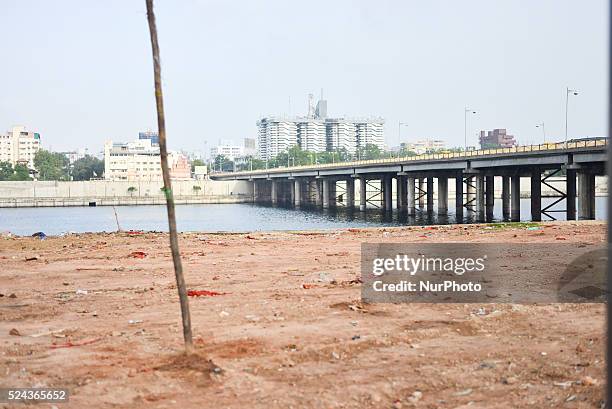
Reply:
x=362, y=193
x=297, y=194
x=254, y=191
x=469, y=192
x=402, y=198
x=571, y=194
x=536, y=195
x=421, y=186
x=430, y=192
x=442, y=195
x=410, y=198
x=505, y=197
x=325, y=185
x=274, y=192
x=586, y=196
x=387, y=193
x=332, y=193
x=515, y=198
x=459, y=197
x=350, y=193
x=480, y=198
x=489, y=197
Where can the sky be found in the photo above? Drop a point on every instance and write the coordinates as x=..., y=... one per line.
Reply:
x=80, y=71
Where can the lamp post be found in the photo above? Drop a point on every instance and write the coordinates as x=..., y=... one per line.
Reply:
x=541, y=125
x=567, y=95
x=465, y=113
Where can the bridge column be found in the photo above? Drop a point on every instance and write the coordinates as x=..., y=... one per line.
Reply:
x=274, y=192
x=480, y=198
x=571, y=194
x=362, y=193
x=489, y=197
x=332, y=193
x=442, y=194
x=515, y=198
x=254, y=182
x=297, y=195
x=469, y=192
x=586, y=195
x=506, y=197
x=430, y=192
x=536, y=195
x=350, y=193
x=410, y=198
x=325, y=185
x=421, y=186
x=387, y=193
x=459, y=197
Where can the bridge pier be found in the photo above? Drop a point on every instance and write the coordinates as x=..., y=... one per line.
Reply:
x=254, y=182
x=571, y=194
x=586, y=195
x=536, y=195
x=430, y=194
x=332, y=193
x=469, y=193
x=402, y=197
x=505, y=197
x=350, y=193
x=297, y=193
x=515, y=198
x=442, y=195
x=480, y=198
x=387, y=193
x=421, y=186
x=362, y=193
x=274, y=192
x=410, y=198
x=489, y=197
x=325, y=199
x=459, y=197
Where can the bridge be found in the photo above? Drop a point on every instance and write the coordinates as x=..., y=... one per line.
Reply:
x=474, y=174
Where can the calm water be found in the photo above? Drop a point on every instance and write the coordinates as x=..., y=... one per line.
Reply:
x=222, y=217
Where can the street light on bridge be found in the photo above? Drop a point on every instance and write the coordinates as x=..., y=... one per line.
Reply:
x=567, y=95
x=541, y=125
x=465, y=113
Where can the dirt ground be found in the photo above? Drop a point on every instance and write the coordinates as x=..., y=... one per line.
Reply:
x=80, y=312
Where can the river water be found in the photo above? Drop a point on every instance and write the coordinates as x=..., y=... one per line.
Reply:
x=224, y=217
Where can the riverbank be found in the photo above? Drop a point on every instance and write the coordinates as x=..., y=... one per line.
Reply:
x=98, y=314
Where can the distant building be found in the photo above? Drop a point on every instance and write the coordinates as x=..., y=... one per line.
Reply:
x=19, y=146
x=250, y=146
x=424, y=145
x=497, y=138
x=76, y=155
x=316, y=132
x=151, y=135
x=228, y=150
x=141, y=161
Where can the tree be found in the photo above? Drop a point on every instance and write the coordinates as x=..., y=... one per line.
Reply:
x=197, y=189
x=223, y=164
x=368, y=152
x=51, y=165
x=21, y=173
x=131, y=190
x=6, y=170
x=197, y=162
x=87, y=167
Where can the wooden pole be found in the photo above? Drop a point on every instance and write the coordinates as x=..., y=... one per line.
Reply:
x=161, y=124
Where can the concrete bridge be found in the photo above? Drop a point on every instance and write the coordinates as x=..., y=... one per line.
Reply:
x=372, y=183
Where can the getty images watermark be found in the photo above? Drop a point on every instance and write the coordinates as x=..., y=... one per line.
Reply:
x=503, y=272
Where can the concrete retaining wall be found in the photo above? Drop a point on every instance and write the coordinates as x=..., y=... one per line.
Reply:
x=106, y=193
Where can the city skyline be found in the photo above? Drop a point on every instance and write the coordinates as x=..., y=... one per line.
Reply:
x=512, y=66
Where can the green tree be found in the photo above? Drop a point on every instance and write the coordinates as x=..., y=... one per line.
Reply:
x=223, y=163
x=370, y=151
x=87, y=167
x=197, y=162
x=6, y=170
x=51, y=165
x=21, y=173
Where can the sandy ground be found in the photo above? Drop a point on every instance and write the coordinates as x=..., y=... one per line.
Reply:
x=270, y=342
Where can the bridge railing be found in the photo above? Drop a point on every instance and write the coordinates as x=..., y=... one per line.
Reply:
x=557, y=146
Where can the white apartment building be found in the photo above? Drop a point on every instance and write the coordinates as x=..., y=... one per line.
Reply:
x=317, y=133
x=425, y=145
x=276, y=135
x=228, y=150
x=141, y=161
x=19, y=146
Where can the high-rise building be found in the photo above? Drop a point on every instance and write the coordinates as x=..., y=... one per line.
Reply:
x=227, y=149
x=497, y=138
x=19, y=146
x=250, y=146
x=151, y=135
x=317, y=133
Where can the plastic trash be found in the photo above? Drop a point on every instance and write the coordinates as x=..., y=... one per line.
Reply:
x=40, y=235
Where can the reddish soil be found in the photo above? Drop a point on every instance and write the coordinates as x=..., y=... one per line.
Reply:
x=276, y=336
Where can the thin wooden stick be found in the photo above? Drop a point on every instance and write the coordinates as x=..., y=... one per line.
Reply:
x=161, y=124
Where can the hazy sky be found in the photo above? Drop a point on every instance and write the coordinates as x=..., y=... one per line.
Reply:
x=80, y=72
